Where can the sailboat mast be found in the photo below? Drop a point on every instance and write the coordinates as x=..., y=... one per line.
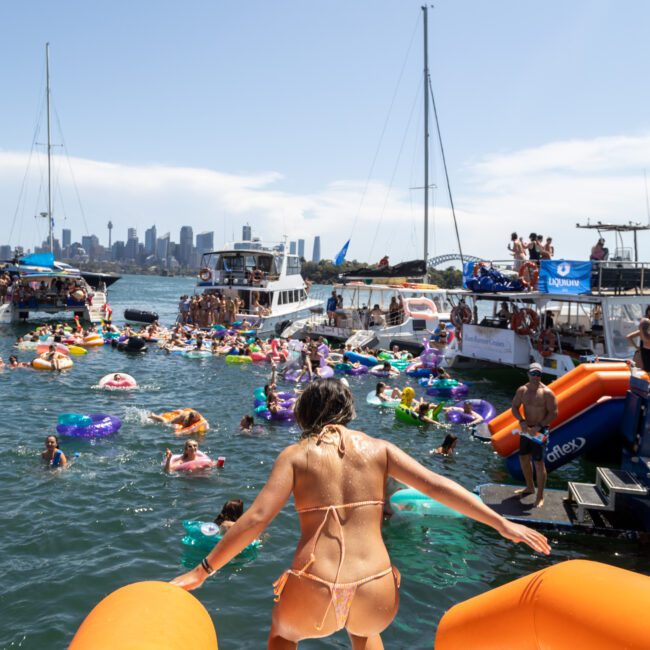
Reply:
x=425, y=21
x=49, y=148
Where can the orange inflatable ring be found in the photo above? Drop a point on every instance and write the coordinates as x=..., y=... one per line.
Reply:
x=147, y=615
x=529, y=274
x=200, y=426
x=546, y=343
x=460, y=315
x=525, y=321
x=205, y=275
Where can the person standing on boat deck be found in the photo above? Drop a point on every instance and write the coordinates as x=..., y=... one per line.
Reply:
x=548, y=249
x=644, y=342
x=540, y=409
x=517, y=249
x=331, y=309
x=341, y=576
x=533, y=248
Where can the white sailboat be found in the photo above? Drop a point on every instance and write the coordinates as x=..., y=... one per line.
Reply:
x=41, y=285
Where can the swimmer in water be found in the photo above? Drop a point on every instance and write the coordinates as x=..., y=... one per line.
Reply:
x=448, y=445
x=14, y=363
x=246, y=424
x=232, y=510
x=342, y=579
x=52, y=455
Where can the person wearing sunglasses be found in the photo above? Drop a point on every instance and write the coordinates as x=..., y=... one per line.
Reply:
x=540, y=409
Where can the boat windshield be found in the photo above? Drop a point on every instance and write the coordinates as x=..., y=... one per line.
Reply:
x=623, y=319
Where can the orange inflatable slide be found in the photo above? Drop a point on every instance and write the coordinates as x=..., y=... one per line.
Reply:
x=577, y=391
x=569, y=606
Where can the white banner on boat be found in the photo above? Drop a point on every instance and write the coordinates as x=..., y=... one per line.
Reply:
x=494, y=344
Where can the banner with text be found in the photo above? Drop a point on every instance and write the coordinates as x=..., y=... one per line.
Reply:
x=565, y=276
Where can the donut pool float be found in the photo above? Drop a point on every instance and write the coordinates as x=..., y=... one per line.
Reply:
x=118, y=381
x=41, y=364
x=94, y=425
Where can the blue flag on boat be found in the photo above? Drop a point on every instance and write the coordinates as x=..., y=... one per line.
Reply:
x=565, y=276
x=340, y=256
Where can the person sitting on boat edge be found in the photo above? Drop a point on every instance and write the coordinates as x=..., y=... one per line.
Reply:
x=350, y=468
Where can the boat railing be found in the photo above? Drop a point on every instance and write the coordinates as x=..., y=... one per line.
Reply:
x=612, y=276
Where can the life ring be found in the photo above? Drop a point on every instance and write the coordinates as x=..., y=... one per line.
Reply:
x=546, y=343
x=529, y=274
x=478, y=267
x=525, y=321
x=460, y=315
x=205, y=275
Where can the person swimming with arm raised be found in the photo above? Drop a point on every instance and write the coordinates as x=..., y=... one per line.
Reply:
x=337, y=476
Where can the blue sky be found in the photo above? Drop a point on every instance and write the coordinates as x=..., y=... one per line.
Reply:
x=219, y=113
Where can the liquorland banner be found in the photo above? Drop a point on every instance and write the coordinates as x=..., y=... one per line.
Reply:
x=565, y=276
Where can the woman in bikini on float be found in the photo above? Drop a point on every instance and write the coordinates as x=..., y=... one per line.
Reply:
x=341, y=575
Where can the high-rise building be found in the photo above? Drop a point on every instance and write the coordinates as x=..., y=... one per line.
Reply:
x=162, y=247
x=246, y=233
x=117, y=251
x=150, y=241
x=292, y=248
x=315, y=257
x=301, y=248
x=131, y=247
x=90, y=243
x=66, y=237
x=5, y=252
x=186, y=244
x=204, y=243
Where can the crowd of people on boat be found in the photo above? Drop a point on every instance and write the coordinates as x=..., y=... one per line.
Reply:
x=53, y=291
x=218, y=308
x=535, y=249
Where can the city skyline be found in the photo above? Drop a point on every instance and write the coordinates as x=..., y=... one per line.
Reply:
x=152, y=251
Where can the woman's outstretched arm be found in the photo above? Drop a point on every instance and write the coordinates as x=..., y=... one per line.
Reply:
x=407, y=470
x=250, y=525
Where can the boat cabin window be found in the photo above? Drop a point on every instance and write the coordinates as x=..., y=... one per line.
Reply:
x=623, y=319
x=293, y=265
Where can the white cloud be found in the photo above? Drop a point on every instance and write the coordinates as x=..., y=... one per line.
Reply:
x=547, y=188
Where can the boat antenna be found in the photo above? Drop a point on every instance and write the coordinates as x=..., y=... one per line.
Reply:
x=425, y=22
x=49, y=149
x=647, y=202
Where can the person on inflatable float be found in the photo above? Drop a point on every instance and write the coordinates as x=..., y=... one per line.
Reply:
x=190, y=453
x=468, y=410
x=338, y=479
x=186, y=418
x=53, y=357
x=232, y=510
x=385, y=394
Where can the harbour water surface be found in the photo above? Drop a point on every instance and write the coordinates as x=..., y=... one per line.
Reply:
x=70, y=537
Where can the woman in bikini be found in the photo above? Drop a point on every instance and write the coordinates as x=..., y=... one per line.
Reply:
x=341, y=575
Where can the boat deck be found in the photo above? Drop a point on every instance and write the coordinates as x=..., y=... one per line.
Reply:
x=557, y=513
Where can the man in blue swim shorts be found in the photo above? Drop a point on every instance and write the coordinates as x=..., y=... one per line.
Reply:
x=540, y=409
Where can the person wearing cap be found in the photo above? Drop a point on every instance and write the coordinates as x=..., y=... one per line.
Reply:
x=540, y=409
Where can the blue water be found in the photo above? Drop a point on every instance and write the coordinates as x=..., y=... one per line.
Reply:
x=69, y=538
